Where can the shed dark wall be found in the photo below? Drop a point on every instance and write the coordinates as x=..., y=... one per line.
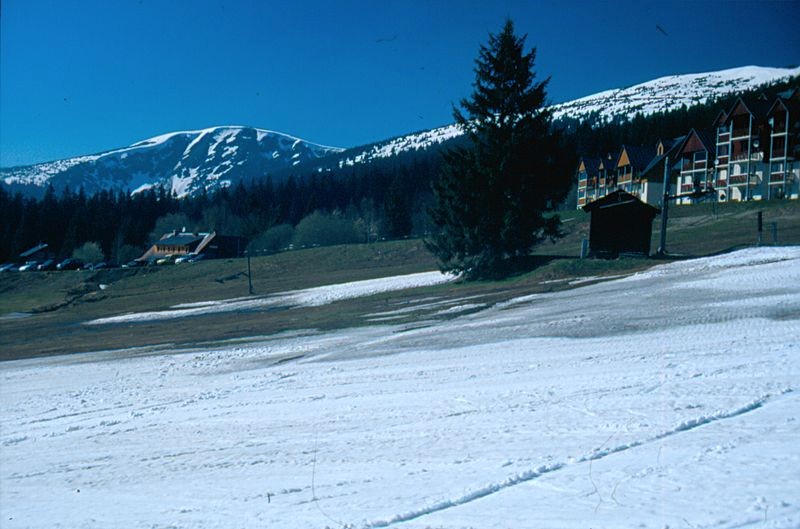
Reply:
x=620, y=229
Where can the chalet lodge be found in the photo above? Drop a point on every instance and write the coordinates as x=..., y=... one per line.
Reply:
x=750, y=153
x=182, y=243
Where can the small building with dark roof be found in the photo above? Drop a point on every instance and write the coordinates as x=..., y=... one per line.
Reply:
x=620, y=224
x=182, y=243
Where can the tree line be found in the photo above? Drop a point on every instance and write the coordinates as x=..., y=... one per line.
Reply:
x=384, y=201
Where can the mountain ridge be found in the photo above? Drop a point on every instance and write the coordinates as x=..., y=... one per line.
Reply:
x=188, y=162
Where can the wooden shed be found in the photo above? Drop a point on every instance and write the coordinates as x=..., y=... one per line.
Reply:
x=620, y=224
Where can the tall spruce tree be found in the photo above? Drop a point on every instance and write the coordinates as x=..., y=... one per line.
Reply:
x=491, y=194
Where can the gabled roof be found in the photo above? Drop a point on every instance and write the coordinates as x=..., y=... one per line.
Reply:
x=181, y=239
x=721, y=118
x=705, y=138
x=757, y=108
x=791, y=103
x=656, y=165
x=668, y=142
x=591, y=163
x=609, y=161
x=639, y=156
x=619, y=198
x=38, y=248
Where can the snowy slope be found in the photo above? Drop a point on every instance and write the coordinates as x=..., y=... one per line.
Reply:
x=671, y=92
x=181, y=162
x=666, y=93
x=670, y=400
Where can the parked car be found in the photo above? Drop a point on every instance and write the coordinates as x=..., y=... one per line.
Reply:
x=69, y=264
x=186, y=258
x=30, y=265
x=101, y=265
x=134, y=264
x=198, y=257
x=47, y=265
x=7, y=267
x=167, y=260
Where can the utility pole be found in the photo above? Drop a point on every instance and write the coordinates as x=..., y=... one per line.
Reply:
x=249, y=274
x=662, y=247
x=698, y=193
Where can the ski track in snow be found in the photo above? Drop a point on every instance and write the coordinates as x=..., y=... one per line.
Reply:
x=529, y=475
x=666, y=398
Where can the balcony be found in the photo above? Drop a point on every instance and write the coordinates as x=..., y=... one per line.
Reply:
x=741, y=133
x=737, y=179
x=777, y=177
x=722, y=182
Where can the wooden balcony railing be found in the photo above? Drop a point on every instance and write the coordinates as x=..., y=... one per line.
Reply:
x=777, y=177
x=778, y=153
x=737, y=179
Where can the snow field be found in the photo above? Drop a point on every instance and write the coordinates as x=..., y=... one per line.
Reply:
x=656, y=400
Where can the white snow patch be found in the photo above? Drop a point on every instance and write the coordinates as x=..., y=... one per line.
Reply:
x=312, y=297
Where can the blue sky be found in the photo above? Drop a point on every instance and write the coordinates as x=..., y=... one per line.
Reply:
x=82, y=76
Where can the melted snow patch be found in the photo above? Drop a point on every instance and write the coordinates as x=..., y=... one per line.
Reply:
x=312, y=297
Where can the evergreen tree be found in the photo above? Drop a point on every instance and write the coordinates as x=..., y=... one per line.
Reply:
x=491, y=194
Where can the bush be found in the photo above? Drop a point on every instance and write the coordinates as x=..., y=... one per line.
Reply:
x=127, y=253
x=325, y=229
x=273, y=240
x=89, y=253
x=170, y=222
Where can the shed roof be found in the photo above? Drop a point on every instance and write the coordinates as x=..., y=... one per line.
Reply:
x=619, y=198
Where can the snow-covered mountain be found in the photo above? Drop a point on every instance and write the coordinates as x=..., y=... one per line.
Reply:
x=187, y=162
x=181, y=162
x=663, y=94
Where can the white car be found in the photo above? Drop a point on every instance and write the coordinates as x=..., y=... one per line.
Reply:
x=30, y=265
